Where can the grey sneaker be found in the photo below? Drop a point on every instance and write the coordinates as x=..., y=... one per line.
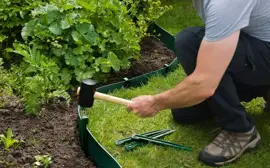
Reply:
x=228, y=146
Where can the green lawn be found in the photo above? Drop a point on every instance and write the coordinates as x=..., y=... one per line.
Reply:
x=181, y=17
x=110, y=122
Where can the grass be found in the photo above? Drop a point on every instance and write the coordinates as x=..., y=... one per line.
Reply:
x=181, y=17
x=110, y=122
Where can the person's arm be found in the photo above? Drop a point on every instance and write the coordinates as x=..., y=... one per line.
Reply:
x=212, y=62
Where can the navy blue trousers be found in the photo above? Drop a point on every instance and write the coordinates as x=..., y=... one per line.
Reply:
x=247, y=77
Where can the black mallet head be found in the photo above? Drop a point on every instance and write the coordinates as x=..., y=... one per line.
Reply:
x=86, y=93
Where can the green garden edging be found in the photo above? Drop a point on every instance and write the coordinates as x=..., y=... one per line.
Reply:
x=94, y=150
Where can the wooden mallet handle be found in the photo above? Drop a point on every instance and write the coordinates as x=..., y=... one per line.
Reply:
x=109, y=98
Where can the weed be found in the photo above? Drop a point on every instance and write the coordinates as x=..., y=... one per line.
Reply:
x=8, y=141
x=43, y=160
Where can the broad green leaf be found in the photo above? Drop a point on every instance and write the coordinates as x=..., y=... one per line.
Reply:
x=71, y=60
x=76, y=37
x=65, y=24
x=96, y=67
x=22, y=14
x=28, y=29
x=44, y=9
x=67, y=6
x=88, y=32
x=73, y=17
x=83, y=74
x=58, y=52
x=116, y=22
x=2, y=38
x=88, y=74
x=84, y=28
x=104, y=64
x=90, y=5
x=117, y=38
x=52, y=16
x=115, y=62
x=69, y=20
x=82, y=49
x=55, y=28
x=91, y=37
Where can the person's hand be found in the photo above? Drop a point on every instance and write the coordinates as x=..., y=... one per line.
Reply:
x=144, y=106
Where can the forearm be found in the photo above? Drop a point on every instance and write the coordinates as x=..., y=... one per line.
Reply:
x=191, y=91
x=212, y=62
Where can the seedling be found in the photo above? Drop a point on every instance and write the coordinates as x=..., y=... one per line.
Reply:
x=8, y=141
x=43, y=161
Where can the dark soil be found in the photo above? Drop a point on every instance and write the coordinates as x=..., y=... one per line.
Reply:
x=154, y=55
x=53, y=132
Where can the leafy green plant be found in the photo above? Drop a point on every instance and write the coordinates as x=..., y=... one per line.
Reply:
x=8, y=141
x=90, y=37
x=13, y=15
x=7, y=84
x=41, y=79
x=43, y=161
x=65, y=41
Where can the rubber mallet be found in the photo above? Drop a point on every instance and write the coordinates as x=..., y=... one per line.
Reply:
x=87, y=93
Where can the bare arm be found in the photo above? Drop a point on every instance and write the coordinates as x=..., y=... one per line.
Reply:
x=212, y=62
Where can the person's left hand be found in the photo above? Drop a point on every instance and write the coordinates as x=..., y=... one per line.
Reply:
x=144, y=106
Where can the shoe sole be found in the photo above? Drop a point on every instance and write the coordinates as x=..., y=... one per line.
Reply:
x=251, y=146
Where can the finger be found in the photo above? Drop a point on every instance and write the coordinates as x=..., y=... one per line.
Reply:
x=129, y=108
x=142, y=115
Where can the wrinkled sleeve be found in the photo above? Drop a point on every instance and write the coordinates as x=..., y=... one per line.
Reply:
x=224, y=17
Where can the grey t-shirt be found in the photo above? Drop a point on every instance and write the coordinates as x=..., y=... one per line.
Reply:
x=224, y=17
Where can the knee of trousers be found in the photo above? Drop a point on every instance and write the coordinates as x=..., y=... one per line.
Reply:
x=182, y=118
x=187, y=43
x=191, y=34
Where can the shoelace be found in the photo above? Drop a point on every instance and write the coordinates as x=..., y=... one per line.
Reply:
x=222, y=138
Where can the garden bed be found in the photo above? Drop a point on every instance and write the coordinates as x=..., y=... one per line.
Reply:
x=53, y=132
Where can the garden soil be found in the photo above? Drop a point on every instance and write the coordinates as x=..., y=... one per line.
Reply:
x=54, y=131
x=154, y=55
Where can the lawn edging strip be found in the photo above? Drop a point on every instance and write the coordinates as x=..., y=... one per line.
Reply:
x=92, y=148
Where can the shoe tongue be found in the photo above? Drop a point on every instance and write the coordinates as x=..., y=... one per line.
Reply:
x=215, y=149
